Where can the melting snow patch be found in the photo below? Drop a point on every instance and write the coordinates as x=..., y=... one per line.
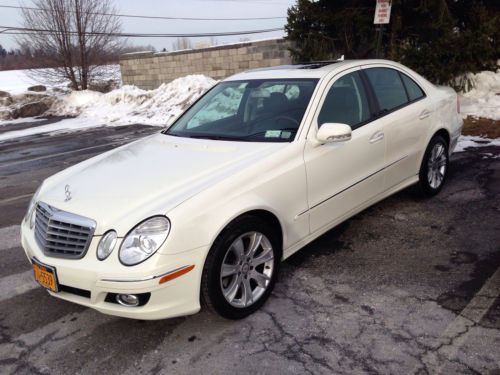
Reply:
x=467, y=141
x=70, y=124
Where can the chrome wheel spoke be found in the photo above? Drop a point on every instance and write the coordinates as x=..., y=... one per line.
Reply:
x=229, y=269
x=434, y=153
x=266, y=256
x=254, y=245
x=260, y=278
x=429, y=175
x=239, y=249
x=247, y=292
x=230, y=292
x=440, y=151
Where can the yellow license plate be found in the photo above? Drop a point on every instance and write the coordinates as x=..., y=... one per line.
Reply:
x=45, y=276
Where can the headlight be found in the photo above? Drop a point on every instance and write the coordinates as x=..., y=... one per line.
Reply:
x=31, y=214
x=106, y=245
x=144, y=240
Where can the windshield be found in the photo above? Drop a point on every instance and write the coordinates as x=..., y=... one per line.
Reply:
x=253, y=111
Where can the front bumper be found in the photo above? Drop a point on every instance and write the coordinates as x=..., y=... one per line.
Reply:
x=176, y=297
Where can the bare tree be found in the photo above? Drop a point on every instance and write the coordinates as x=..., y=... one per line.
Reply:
x=74, y=37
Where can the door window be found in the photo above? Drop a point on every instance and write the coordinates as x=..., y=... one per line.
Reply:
x=346, y=102
x=388, y=88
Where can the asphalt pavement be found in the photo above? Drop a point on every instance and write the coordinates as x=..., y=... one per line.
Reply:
x=410, y=286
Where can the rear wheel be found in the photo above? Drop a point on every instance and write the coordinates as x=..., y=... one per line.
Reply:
x=241, y=268
x=434, y=168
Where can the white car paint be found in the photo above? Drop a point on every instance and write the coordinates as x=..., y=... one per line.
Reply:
x=202, y=185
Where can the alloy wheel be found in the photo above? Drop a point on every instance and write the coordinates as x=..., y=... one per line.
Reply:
x=436, y=166
x=247, y=269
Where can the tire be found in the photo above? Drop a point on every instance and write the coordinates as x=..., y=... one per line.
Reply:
x=434, y=168
x=241, y=291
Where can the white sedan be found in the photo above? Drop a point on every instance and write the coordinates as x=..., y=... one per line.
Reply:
x=262, y=164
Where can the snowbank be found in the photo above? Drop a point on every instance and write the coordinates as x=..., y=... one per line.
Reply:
x=17, y=81
x=131, y=105
x=484, y=99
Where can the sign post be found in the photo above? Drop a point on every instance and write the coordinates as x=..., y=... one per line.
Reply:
x=382, y=17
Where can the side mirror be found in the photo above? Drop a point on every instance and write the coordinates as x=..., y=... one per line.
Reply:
x=333, y=132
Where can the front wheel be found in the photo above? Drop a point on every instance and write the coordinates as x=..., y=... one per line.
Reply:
x=434, y=168
x=241, y=268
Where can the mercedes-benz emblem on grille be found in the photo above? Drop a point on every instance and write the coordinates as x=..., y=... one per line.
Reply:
x=67, y=192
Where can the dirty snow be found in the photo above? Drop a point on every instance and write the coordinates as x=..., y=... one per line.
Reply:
x=484, y=98
x=131, y=105
x=466, y=141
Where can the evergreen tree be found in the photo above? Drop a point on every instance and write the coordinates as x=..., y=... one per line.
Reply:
x=325, y=29
x=440, y=39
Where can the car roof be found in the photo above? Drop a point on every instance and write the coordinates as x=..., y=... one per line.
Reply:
x=318, y=69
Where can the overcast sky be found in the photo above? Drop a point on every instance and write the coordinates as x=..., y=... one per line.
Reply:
x=181, y=8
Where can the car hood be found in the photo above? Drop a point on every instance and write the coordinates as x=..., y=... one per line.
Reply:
x=147, y=177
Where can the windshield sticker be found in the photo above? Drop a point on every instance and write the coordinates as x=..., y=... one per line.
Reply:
x=286, y=134
x=273, y=134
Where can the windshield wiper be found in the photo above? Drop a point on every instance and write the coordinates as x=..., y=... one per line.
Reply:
x=243, y=138
x=214, y=137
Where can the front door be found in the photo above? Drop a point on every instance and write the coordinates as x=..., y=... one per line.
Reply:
x=342, y=176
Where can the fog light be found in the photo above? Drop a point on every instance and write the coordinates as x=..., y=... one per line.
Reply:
x=127, y=299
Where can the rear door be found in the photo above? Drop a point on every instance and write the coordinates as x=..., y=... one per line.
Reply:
x=402, y=107
x=343, y=175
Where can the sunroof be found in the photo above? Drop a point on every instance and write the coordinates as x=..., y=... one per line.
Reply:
x=303, y=65
x=315, y=64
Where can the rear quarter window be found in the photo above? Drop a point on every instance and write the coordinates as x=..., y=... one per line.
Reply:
x=414, y=90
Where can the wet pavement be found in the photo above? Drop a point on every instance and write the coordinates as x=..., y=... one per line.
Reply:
x=410, y=286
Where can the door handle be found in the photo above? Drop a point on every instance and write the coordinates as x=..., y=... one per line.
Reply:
x=377, y=136
x=425, y=113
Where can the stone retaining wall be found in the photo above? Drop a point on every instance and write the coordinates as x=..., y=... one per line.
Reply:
x=149, y=70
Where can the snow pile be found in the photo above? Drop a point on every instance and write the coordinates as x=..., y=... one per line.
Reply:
x=466, y=141
x=484, y=99
x=131, y=105
x=17, y=81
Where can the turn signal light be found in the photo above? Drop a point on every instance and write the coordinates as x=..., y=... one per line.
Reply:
x=176, y=274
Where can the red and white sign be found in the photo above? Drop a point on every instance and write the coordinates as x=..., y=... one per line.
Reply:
x=382, y=12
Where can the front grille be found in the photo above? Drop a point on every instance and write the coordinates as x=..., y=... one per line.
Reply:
x=62, y=234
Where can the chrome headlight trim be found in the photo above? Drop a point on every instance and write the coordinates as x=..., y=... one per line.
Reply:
x=144, y=240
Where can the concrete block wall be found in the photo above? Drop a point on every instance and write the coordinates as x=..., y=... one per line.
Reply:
x=149, y=70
